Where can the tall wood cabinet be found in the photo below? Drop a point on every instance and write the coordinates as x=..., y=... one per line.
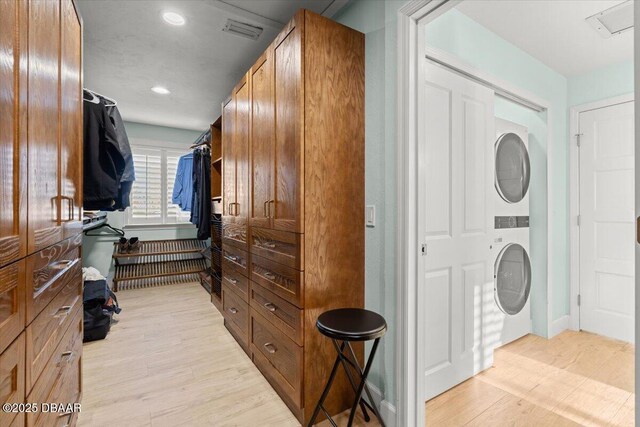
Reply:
x=293, y=229
x=40, y=207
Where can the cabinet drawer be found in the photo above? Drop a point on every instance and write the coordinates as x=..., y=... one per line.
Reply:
x=47, y=271
x=235, y=310
x=280, y=246
x=12, y=388
x=283, y=356
x=283, y=315
x=235, y=259
x=233, y=233
x=12, y=305
x=237, y=282
x=282, y=281
x=45, y=332
x=60, y=381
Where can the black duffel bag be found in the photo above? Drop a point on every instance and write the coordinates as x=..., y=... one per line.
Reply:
x=99, y=305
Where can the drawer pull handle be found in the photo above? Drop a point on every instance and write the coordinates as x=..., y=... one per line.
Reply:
x=270, y=348
x=233, y=310
x=61, y=265
x=269, y=306
x=232, y=281
x=66, y=354
x=63, y=311
x=269, y=275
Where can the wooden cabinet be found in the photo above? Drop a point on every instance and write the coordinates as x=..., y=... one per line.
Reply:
x=235, y=152
x=43, y=108
x=303, y=251
x=71, y=126
x=40, y=206
x=13, y=131
x=54, y=109
x=289, y=127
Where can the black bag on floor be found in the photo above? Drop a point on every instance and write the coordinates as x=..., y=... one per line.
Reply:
x=99, y=305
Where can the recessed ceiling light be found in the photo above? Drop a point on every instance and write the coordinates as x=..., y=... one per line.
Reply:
x=173, y=18
x=161, y=90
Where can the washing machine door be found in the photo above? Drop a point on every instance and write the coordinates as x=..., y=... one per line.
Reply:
x=512, y=279
x=512, y=168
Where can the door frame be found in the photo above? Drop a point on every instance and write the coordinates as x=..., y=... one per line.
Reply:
x=411, y=48
x=574, y=200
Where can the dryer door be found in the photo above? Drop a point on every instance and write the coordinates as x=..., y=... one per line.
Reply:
x=512, y=279
x=512, y=168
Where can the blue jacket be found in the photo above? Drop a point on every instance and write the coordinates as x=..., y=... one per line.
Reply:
x=183, y=186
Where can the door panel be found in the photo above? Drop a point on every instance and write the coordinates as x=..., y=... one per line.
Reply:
x=71, y=123
x=288, y=134
x=607, y=192
x=13, y=164
x=241, y=151
x=43, y=125
x=228, y=162
x=456, y=223
x=262, y=121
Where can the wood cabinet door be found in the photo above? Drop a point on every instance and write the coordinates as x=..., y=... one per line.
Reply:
x=261, y=141
x=241, y=151
x=289, y=127
x=71, y=131
x=228, y=159
x=44, y=227
x=13, y=132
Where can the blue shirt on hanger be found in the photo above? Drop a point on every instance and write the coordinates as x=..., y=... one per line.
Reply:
x=183, y=186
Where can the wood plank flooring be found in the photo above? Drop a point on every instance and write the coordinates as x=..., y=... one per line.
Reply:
x=169, y=361
x=573, y=379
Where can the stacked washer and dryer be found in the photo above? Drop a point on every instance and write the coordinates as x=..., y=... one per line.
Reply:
x=512, y=267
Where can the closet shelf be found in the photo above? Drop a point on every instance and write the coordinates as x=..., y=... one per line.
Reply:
x=159, y=269
x=218, y=160
x=163, y=247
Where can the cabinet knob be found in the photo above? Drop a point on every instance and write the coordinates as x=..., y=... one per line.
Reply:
x=233, y=310
x=269, y=306
x=270, y=348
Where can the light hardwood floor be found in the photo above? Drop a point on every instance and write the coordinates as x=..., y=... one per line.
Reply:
x=574, y=379
x=169, y=361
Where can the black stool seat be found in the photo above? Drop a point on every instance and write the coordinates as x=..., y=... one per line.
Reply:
x=351, y=324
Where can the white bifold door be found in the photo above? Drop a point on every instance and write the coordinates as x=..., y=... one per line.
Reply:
x=455, y=221
x=607, y=229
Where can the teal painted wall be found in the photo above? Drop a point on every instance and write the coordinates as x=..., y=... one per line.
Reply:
x=602, y=83
x=97, y=251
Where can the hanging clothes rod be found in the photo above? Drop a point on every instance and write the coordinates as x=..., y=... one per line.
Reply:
x=501, y=92
x=111, y=100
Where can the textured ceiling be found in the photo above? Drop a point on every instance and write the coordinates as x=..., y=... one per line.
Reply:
x=553, y=31
x=128, y=48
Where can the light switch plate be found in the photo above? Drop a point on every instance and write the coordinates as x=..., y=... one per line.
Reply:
x=370, y=216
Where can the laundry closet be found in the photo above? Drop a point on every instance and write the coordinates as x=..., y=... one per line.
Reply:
x=132, y=234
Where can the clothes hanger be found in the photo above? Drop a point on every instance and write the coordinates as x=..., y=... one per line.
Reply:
x=112, y=231
x=109, y=102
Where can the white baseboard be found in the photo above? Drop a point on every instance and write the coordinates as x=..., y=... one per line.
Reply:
x=559, y=325
x=387, y=410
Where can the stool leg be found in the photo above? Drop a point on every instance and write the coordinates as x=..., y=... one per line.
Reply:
x=366, y=389
x=327, y=388
x=345, y=363
x=363, y=381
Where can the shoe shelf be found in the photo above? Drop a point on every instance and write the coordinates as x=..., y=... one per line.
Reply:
x=159, y=262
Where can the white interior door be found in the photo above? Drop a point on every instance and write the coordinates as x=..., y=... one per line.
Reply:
x=455, y=220
x=607, y=271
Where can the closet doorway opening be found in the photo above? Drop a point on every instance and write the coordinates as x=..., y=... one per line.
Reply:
x=492, y=279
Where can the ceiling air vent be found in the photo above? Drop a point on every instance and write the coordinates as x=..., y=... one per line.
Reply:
x=613, y=21
x=241, y=29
